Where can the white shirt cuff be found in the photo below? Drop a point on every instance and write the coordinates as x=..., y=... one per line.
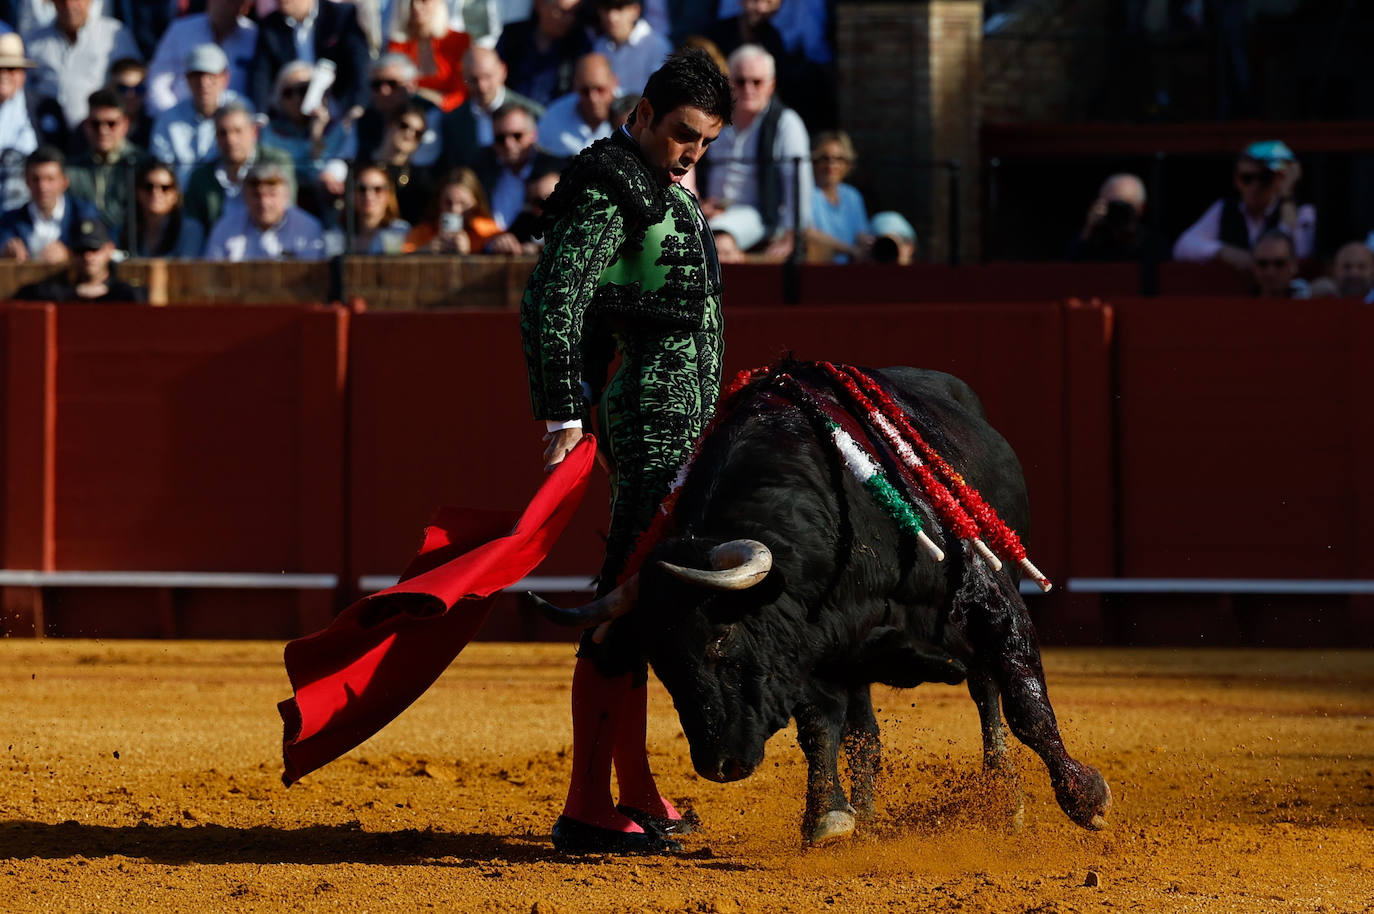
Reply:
x=557, y=425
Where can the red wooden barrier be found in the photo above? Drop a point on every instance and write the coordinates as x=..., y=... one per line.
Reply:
x=1160, y=438
x=27, y=414
x=206, y=439
x=1243, y=447
x=1197, y=279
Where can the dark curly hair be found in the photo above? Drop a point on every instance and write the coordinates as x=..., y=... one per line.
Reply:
x=690, y=77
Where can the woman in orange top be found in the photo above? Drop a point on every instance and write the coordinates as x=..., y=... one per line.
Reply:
x=462, y=222
x=421, y=32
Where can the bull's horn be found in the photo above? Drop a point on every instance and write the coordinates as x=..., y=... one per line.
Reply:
x=737, y=565
x=603, y=609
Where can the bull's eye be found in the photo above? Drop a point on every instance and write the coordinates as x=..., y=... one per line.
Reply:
x=719, y=646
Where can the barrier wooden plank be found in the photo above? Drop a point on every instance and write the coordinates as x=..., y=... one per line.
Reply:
x=1197, y=279
x=1089, y=480
x=433, y=281
x=197, y=439
x=1236, y=438
x=988, y=282
x=27, y=536
x=204, y=408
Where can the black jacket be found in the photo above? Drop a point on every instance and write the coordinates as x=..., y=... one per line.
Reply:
x=338, y=37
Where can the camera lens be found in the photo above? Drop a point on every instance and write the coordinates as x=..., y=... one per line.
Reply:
x=885, y=250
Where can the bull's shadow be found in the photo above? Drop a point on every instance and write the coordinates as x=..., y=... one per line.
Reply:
x=221, y=844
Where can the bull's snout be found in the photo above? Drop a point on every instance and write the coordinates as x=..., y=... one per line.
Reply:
x=726, y=770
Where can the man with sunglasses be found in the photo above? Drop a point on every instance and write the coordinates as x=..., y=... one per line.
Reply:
x=466, y=130
x=628, y=265
x=511, y=161
x=392, y=85
x=1265, y=179
x=755, y=161
x=128, y=78
x=104, y=172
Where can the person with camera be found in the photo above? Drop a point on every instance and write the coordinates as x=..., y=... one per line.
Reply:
x=1113, y=228
x=1265, y=182
x=462, y=223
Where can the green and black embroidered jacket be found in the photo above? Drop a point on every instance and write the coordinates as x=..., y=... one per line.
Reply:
x=622, y=251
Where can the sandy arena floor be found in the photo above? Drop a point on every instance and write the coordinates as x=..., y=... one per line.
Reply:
x=144, y=777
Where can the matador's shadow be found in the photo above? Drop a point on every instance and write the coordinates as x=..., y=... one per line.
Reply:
x=318, y=844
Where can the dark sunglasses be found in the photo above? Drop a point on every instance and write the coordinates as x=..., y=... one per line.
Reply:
x=825, y=159
x=411, y=127
x=106, y=122
x=513, y=135
x=737, y=81
x=391, y=84
x=1266, y=264
x=1265, y=178
x=136, y=89
x=294, y=90
x=151, y=186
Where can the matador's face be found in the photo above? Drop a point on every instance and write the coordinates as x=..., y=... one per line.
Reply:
x=677, y=140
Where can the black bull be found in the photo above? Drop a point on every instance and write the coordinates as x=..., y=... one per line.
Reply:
x=848, y=600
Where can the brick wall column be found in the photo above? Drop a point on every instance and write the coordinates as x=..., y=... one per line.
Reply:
x=910, y=92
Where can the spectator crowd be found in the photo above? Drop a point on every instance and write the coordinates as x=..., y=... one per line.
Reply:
x=1259, y=227
x=246, y=129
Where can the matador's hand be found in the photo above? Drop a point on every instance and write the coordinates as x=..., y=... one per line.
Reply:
x=560, y=443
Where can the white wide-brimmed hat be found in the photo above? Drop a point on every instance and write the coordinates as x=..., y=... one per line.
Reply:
x=12, y=53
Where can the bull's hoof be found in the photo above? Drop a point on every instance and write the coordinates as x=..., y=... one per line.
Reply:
x=573, y=837
x=1084, y=796
x=835, y=825
x=662, y=825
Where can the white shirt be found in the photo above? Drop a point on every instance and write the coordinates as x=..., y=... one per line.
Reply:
x=562, y=130
x=46, y=229
x=70, y=72
x=297, y=236
x=1202, y=240
x=16, y=131
x=733, y=177
x=166, y=78
x=641, y=54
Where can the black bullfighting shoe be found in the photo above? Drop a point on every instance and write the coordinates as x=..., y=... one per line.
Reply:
x=573, y=837
x=689, y=822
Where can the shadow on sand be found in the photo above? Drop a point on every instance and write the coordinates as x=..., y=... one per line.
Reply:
x=319, y=844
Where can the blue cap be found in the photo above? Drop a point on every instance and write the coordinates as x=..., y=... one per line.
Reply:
x=1272, y=154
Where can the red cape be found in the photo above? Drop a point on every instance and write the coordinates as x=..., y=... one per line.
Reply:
x=384, y=651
